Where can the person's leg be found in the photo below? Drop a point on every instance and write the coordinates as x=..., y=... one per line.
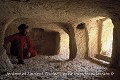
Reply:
x=20, y=58
x=25, y=54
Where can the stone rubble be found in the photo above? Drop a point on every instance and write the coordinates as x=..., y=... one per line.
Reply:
x=41, y=68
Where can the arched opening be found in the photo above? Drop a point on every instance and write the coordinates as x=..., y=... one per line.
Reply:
x=107, y=37
x=100, y=33
x=49, y=42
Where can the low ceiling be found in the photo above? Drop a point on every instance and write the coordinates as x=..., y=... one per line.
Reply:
x=67, y=11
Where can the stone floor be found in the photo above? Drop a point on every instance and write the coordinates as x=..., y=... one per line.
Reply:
x=45, y=68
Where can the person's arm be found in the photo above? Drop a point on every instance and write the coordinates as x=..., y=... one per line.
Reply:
x=8, y=39
x=30, y=48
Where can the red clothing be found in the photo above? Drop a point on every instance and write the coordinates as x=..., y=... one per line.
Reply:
x=21, y=41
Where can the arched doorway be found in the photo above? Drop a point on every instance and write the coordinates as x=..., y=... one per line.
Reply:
x=107, y=37
x=100, y=34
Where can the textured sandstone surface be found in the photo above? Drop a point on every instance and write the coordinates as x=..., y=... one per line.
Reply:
x=45, y=68
x=63, y=16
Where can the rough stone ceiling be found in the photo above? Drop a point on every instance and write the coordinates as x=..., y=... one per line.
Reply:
x=68, y=11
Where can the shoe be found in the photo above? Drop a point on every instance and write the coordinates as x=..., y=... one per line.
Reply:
x=20, y=62
x=16, y=57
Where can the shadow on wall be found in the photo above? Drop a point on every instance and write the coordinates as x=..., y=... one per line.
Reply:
x=46, y=42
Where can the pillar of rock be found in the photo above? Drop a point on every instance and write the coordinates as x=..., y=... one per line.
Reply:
x=5, y=63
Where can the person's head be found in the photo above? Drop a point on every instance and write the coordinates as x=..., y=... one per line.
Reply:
x=23, y=29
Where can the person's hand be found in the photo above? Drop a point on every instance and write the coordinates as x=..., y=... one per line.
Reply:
x=5, y=47
x=29, y=54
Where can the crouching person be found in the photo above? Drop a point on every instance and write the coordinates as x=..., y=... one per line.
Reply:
x=21, y=44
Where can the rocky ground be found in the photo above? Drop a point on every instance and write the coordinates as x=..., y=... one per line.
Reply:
x=45, y=68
